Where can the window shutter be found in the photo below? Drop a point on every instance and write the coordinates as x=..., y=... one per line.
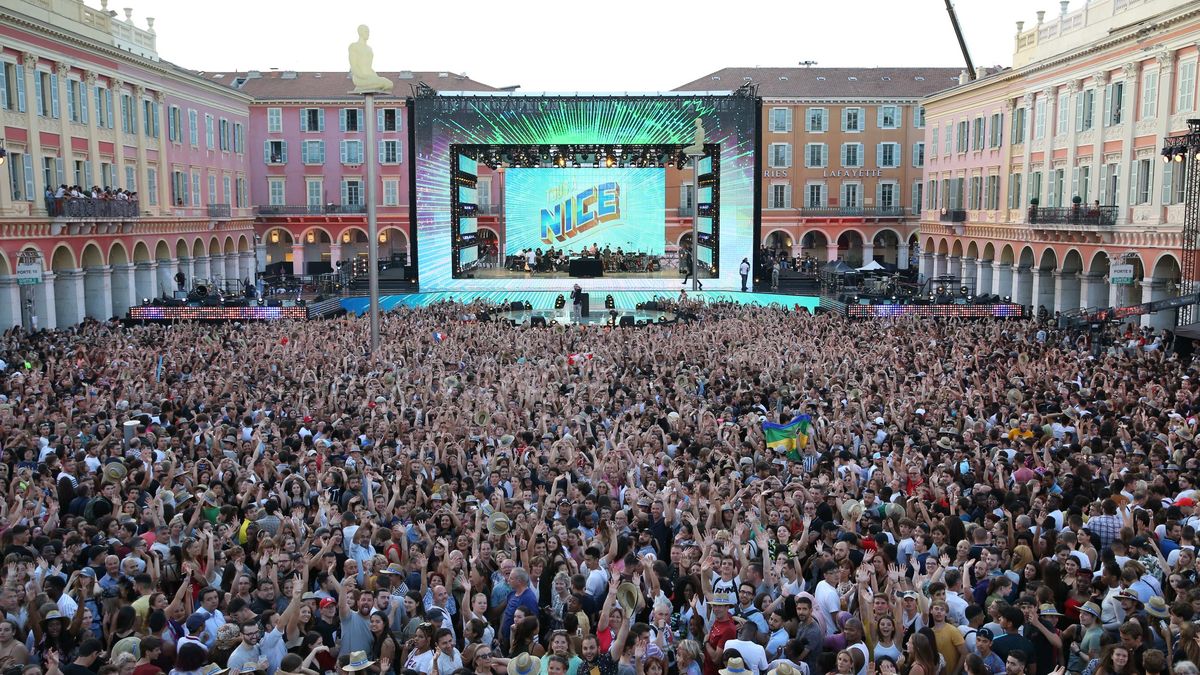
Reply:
x=999, y=129
x=108, y=107
x=87, y=175
x=4, y=102
x=345, y=192
x=342, y=144
x=824, y=155
x=787, y=156
x=37, y=93
x=71, y=85
x=54, y=95
x=1108, y=104
x=879, y=117
x=305, y=156
x=342, y=112
x=846, y=119
x=879, y=155
x=266, y=152
x=1074, y=181
x=320, y=119
x=320, y=152
x=58, y=170
x=303, y=119
x=27, y=160
x=787, y=115
x=845, y=150
x=1167, y=179
x=20, y=88
x=157, y=122
x=861, y=155
x=878, y=195
x=381, y=144
x=283, y=151
x=808, y=120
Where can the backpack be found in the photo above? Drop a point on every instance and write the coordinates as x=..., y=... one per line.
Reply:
x=89, y=509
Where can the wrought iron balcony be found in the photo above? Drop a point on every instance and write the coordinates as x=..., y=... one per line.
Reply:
x=313, y=210
x=87, y=207
x=896, y=211
x=953, y=216
x=1102, y=216
x=218, y=210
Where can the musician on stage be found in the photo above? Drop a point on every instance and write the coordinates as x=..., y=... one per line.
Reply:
x=576, y=300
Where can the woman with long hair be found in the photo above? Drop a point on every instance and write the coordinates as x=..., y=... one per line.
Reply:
x=560, y=645
x=1116, y=660
x=688, y=655
x=922, y=660
x=524, y=637
x=383, y=645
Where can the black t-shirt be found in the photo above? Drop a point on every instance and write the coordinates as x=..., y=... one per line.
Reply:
x=76, y=669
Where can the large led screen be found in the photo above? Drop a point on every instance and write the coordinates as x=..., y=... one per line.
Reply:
x=453, y=120
x=576, y=209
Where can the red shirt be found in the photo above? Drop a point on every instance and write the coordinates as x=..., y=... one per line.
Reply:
x=721, y=632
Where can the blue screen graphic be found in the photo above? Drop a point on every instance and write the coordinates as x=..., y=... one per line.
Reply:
x=572, y=209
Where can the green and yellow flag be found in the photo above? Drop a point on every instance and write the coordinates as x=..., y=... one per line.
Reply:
x=790, y=438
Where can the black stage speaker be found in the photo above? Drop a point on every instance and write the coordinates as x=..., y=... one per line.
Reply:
x=652, y=306
x=584, y=304
x=517, y=306
x=626, y=321
x=537, y=321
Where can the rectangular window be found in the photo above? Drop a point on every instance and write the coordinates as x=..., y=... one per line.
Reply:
x=949, y=139
x=483, y=193
x=852, y=154
x=1084, y=190
x=242, y=194
x=275, y=152
x=73, y=107
x=391, y=192
x=389, y=119
x=978, y=133
x=108, y=177
x=275, y=192
x=853, y=120
x=239, y=138
x=885, y=197
x=1185, y=101
x=389, y=152
x=350, y=119
x=195, y=188
x=888, y=155
x=918, y=195
x=8, y=86
x=152, y=186
x=209, y=132
x=992, y=190
x=312, y=152
x=212, y=189
x=918, y=155
x=1144, y=182
x=149, y=119
x=931, y=195
x=964, y=136
x=975, y=193
x=780, y=196
x=780, y=156
x=1018, y=127
x=227, y=189
x=1057, y=184
x=352, y=192
x=816, y=155
x=1035, y=186
x=130, y=178
x=224, y=135
x=919, y=118
x=1039, y=118
x=1085, y=102
x=933, y=141
x=1149, y=94
x=815, y=120
x=352, y=152
x=996, y=131
x=815, y=196
x=77, y=174
x=1014, y=191
x=16, y=177
x=315, y=192
x=1114, y=100
x=312, y=119
x=889, y=117
x=274, y=120
x=851, y=195
x=174, y=132
x=781, y=120
x=1060, y=127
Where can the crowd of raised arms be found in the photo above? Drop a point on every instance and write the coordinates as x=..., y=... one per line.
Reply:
x=971, y=497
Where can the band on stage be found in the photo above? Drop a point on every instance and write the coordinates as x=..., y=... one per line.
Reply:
x=558, y=260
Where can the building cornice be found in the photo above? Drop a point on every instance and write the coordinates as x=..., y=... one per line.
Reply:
x=275, y=102
x=164, y=68
x=1119, y=36
x=833, y=100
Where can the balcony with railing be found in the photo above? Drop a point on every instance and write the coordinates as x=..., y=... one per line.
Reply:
x=1089, y=216
x=219, y=211
x=896, y=211
x=310, y=210
x=93, y=209
x=953, y=216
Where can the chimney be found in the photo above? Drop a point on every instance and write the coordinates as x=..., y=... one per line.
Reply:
x=1020, y=27
x=963, y=77
x=1063, y=5
x=1041, y=16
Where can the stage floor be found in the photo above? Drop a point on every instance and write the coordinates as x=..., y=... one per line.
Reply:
x=544, y=300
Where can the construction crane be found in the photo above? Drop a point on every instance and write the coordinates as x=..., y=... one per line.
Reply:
x=962, y=44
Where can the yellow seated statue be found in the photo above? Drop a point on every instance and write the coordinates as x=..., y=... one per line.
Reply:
x=362, y=72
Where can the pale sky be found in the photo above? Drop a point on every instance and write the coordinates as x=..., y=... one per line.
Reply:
x=610, y=46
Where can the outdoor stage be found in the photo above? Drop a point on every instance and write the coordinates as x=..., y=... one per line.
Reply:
x=544, y=300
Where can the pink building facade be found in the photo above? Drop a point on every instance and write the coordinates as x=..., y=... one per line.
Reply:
x=1042, y=177
x=85, y=100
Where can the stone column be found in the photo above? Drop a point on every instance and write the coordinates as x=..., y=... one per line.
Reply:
x=44, y=312
x=1066, y=291
x=868, y=251
x=33, y=146
x=216, y=270
x=940, y=265
x=984, y=277
x=1099, y=81
x=298, y=258
x=831, y=252
x=902, y=256
x=68, y=297
x=165, y=283
x=969, y=273
x=1016, y=283
x=1092, y=292
x=1002, y=279
x=247, y=266
x=139, y=185
x=97, y=284
x=335, y=253
x=231, y=267
x=1166, y=89
x=928, y=264
x=185, y=266
x=124, y=293
x=1156, y=289
x=200, y=267
x=260, y=256
x=1129, y=109
x=146, y=280
x=10, y=302
x=954, y=266
x=1043, y=289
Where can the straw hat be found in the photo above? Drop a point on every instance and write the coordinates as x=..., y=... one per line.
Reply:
x=893, y=510
x=212, y=669
x=115, y=472
x=629, y=596
x=722, y=599
x=734, y=666
x=524, y=664
x=498, y=524
x=358, y=661
x=394, y=568
x=852, y=510
x=1091, y=608
x=945, y=443
x=1048, y=609
x=507, y=440
x=1157, y=607
x=784, y=669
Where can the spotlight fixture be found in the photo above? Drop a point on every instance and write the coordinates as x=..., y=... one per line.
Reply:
x=1167, y=153
x=145, y=302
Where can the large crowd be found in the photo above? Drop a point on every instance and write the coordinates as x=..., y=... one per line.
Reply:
x=973, y=497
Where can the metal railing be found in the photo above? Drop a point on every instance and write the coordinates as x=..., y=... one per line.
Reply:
x=863, y=211
x=88, y=207
x=953, y=216
x=1073, y=215
x=218, y=210
x=315, y=210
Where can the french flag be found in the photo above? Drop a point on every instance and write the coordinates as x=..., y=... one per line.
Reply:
x=438, y=336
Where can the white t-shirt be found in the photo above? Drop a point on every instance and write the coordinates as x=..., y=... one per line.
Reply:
x=830, y=604
x=422, y=663
x=752, y=653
